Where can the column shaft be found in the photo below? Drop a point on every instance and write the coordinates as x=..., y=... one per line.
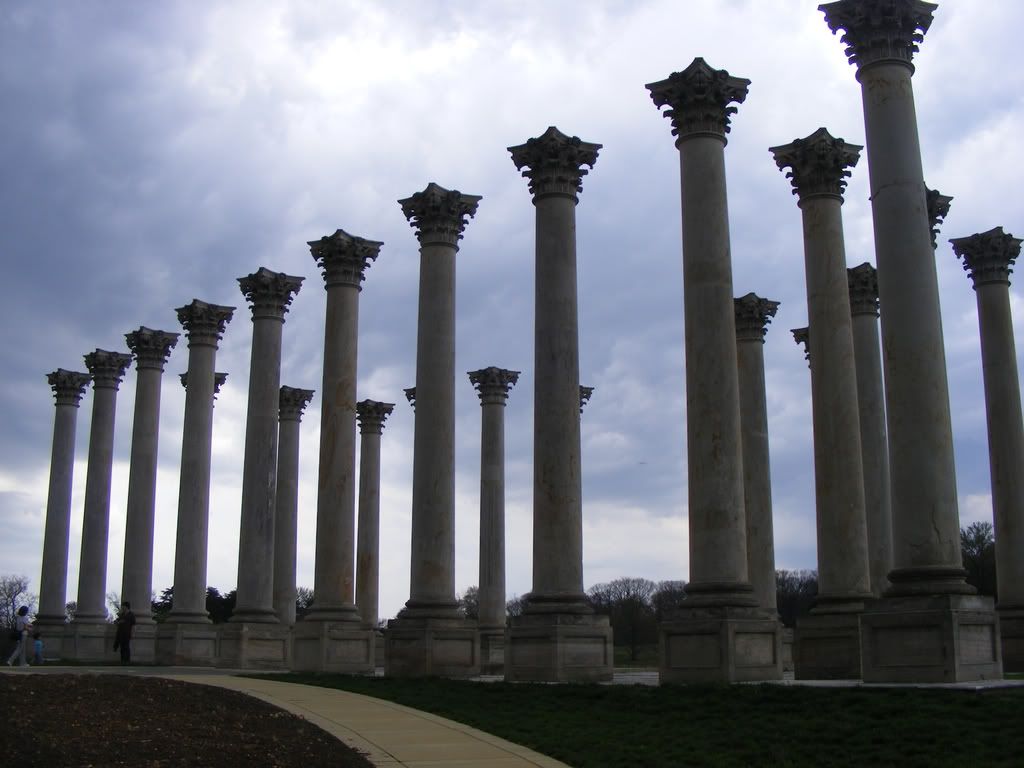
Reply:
x=368, y=542
x=492, y=516
x=286, y=507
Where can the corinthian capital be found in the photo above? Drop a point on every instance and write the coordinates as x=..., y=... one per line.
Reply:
x=343, y=258
x=988, y=256
x=68, y=386
x=107, y=368
x=270, y=293
x=292, y=402
x=585, y=394
x=218, y=381
x=802, y=336
x=752, y=316
x=493, y=384
x=204, y=323
x=150, y=347
x=818, y=164
x=863, y=281
x=410, y=395
x=879, y=30
x=938, y=209
x=439, y=215
x=554, y=163
x=372, y=415
x=700, y=99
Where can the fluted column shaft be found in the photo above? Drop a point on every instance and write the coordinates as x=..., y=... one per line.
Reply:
x=107, y=369
x=292, y=403
x=874, y=442
x=270, y=293
x=343, y=260
x=371, y=421
x=204, y=325
x=150, y=349
x=68, y=388
x=752, y=315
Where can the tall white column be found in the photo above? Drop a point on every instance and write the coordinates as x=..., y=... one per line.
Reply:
x=700, y=103
x=874, y=443
x=928, y=579
x=988, y=259
x=204, y=326
x=270, y=294
x=107, y=369
x=439, y=217
x=292, y=402
x=753, y=314
x=150, y=349
x=372, y=415
x=68, y=389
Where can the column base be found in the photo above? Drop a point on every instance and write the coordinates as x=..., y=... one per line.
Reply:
x=827, y=647
x=788, y=640
x=186, y=645
x=948, y=638
x=431, y=647
x=52, y=630
x=89, y=642
x=143, y=644
x=331, y=646
x=492, y=651
x=253, y=645
x=559, y=648
x=720, y=645
x=1011, y=633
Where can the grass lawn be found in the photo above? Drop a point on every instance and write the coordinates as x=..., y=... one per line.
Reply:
x=745, y=725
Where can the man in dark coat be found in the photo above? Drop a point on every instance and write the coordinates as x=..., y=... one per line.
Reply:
x=123, y=632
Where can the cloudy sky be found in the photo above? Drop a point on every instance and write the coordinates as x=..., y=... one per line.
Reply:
x=152, y=154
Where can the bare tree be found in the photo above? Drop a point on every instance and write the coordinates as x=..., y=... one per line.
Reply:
x=303, y=601
x=469, y=602
x=628, y=604
x=14, y=594
x=514, y=607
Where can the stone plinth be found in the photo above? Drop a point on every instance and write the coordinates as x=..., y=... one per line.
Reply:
x=1011, y=630
x=492, y=651
x=722, y=644
x=559, y=648
x=328, y=646
x=191, y=644
x=253, y=645
x=87, y=642
x=431, y=647
x=826, y=646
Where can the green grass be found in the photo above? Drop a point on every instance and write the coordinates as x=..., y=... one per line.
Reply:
x=722, y=726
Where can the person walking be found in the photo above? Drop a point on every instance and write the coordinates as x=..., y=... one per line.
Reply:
x=123, y=633
x=21, y=624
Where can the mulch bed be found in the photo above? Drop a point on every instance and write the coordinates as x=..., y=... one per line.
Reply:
x=96, y=721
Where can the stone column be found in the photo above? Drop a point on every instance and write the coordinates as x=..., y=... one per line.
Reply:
x=372, y=415
x=150, y=349
x=292, y=402
x=874, y=443
x=557, y=621
x=752, y=317
x=107, y=370
x=700, y=103
x=928, y=578
x=988, y=259
x=427, y=638
x=818, y=170
x=492, y=385
x=204, y=326
x=68, y=388
x=330, y=637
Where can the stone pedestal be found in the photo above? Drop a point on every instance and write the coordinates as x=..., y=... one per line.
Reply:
x=89, y=642
x=328, y=646
x=931, y=639
x=559, y=648
x=189, y=644
x=253, y=645
x=1011, y=630
x=720, y=645
x=827, y=645
x=431, y=647
x=492, y=651
x=143, y=644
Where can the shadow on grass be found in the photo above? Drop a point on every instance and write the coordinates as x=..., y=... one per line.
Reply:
x=600, y=726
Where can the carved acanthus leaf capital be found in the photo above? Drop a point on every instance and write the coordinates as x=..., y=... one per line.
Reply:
x=269, y=292
x=439, y=215
x=292, y=402
x=204, y=323
x=410, y=395
x=802, y=336
x=585, y=393
x=699, y=99
x=68, y=386
x=107, y=368
x=938, y=209
x=493, y=384
x=343, y=258
x=752, y=316
x=371, y=415
x=818, y=164
x=879, y=30
x=151, y=348
x=554, y=163
x=218, y=381
x=988, y=256
x=863, y=283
